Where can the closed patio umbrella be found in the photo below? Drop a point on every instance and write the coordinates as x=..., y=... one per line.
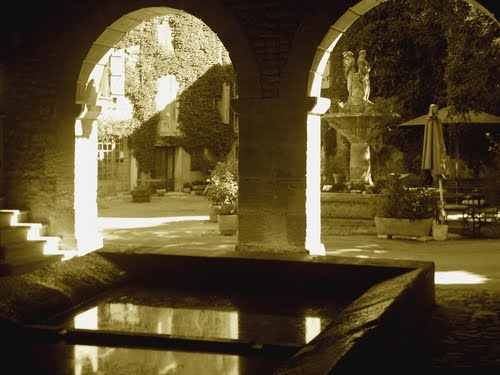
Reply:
x=450, y=118
x=434, y=151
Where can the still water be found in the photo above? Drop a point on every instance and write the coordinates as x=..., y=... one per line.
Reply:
x=227, y=317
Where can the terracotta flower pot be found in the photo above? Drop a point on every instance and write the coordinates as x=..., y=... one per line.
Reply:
x=228, y=224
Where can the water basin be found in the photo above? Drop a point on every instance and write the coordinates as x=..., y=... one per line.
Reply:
x=231, y=314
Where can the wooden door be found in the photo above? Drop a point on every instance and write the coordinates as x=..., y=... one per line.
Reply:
x=165, y=166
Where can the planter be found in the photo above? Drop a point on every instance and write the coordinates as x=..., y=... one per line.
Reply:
x=228, y=224
x=388, y=227
x=439, y=232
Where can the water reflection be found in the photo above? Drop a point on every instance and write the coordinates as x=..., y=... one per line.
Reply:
x=244, y=325
x=312, y=327
x=104, y=360
x=160, y=320
x=264, y=325
x=189, y=322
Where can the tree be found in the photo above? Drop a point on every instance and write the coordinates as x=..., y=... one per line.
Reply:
x=421, y=52
x=472, y=64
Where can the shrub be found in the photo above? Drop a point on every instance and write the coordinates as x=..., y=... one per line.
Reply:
x=401, y=200
x=222, y=187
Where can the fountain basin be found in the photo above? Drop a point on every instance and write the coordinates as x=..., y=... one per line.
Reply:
x=365, y=303
x=362, y=129
x=358, y=127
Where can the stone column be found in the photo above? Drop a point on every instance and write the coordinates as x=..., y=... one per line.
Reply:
x=87, y=235
x=272, y=170
x=360, y=165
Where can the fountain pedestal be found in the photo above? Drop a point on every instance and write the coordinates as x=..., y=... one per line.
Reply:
x=361, y=130
x=358, y=119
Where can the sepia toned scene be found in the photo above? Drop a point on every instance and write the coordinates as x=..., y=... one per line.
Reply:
x=250, y=187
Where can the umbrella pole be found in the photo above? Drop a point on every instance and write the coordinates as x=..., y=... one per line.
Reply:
x=441, y=200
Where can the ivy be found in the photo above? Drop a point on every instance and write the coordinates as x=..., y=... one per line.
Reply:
x=194, y=60
x=143, y=142
x=206, y=131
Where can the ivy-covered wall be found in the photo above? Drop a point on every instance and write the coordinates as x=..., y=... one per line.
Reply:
x=183, y=46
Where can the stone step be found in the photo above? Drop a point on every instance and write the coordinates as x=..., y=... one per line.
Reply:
x=30, y=247
x=21, y=232
x=44, y=244
x=25, y=246
x=26, y=250
x=10, y=217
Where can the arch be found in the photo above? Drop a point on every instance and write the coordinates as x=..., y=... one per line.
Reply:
x=228, y=31
x=335, y=33
x=314, y=81
x=87, y=87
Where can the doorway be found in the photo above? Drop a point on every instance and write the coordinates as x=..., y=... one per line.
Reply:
x=165, y=166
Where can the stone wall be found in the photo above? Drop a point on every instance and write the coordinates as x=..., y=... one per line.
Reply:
x=348, y=213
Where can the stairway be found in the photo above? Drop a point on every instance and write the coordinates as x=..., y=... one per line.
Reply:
x=24, y=246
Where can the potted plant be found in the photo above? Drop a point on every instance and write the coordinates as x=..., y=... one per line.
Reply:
x=141, y=192
x=186, y=187
x=404, y=209
x=439, y=226
x=222, y=193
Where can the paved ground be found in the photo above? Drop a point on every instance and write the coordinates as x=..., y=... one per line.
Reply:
x=464, y=334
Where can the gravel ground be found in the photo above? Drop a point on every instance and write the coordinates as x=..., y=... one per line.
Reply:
x=463, y=336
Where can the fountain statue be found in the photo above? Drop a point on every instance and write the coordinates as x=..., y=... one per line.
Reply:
x=359, y=119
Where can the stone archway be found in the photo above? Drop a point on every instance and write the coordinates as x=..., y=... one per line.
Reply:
x=316, y=72
x=87, y=87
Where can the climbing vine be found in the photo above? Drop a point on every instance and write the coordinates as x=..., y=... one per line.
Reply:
x=188, y=53
x=206, y=131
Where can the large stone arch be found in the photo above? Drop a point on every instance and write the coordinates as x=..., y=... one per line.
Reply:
x=302, y=79
x=89, y=75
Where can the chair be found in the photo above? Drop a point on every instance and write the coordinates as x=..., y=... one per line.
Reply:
x=489, y=212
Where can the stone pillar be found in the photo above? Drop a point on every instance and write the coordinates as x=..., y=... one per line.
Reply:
x=272, y=170
x=360, y=166
x=87, y=235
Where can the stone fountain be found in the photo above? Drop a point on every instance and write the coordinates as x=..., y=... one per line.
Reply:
x=358, y=119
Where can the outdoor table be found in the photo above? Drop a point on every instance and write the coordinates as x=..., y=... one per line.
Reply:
x=469, y=204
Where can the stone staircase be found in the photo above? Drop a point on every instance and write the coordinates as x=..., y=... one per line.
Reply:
x=24, y=246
